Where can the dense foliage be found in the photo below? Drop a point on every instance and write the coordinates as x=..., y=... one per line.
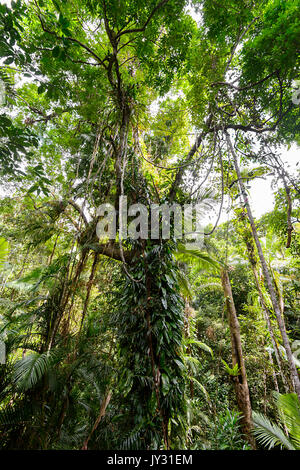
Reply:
x=148, y=343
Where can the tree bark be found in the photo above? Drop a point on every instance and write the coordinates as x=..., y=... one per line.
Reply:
x=266, y=313
x=240, y=381
x=102, y=412
x=276, y=307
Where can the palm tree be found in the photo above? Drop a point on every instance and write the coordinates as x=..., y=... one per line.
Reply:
x=287, y=433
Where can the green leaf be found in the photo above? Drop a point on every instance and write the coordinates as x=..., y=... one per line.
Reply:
x=5, y=121
x=9, y=60
x=41, y=89
x=56, y=51
x=201, y=388
x=200, y=345
x=165, y=384
x=4, y=251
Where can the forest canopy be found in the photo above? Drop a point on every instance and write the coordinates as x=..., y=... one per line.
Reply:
x=140, y=339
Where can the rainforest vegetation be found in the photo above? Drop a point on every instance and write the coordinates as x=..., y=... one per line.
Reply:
x=148, y=343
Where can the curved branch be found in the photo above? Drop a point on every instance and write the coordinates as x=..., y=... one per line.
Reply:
x=111, y=250
x=142, y=28
x=79, y=210
x=69, y=38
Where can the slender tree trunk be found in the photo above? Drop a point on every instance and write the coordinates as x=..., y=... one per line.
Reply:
x=265, y=391
x=273, y=372
x=290, y=228
x=187, y=315
x=240, y=381
x=266, y=314
x=102, y=412
x=276, y=307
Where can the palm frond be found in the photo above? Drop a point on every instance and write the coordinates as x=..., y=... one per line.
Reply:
x=184, y=285
x=15, y=415
x=29, y=370
x=196, y=258
x=270, y=434
x=289, y=408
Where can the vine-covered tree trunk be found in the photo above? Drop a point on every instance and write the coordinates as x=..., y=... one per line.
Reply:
x=150, y=323
x=240, y=381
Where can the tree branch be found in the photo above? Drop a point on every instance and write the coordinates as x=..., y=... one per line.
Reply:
x=79, y=210
x=69, y=38
x=142, y=28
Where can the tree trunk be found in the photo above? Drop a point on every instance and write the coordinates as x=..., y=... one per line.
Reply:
x=293, y=370
x=266, y=313
x=273, y=372
x=102, y=412
x=187, y=315
x=240, y=381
